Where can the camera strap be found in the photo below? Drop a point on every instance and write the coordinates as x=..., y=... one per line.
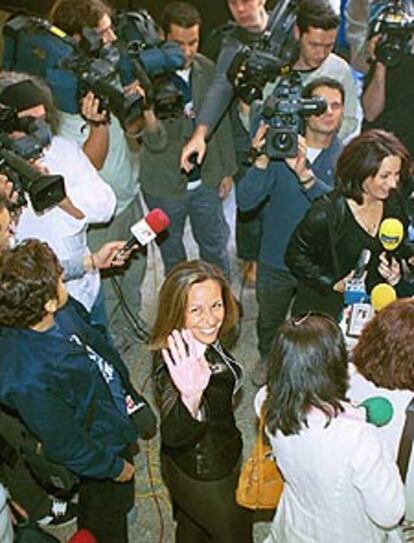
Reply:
x=406, y=442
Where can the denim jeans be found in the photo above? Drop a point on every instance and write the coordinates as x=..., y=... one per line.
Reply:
x=275, y=290
x=204, y=208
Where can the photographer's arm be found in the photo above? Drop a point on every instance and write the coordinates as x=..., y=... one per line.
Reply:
x=154, y=136
x=67, y=205
x=373, y=98
x=97, y=143
x=216, y=101
x=308, y=181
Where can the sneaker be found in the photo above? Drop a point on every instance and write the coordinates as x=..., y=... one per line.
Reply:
x=259, y=373
x=61, y=513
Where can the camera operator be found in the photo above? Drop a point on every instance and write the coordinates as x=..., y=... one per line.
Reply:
x=89, y=200
x=107, y=145
x=316, y=31
x=251, y=20
x=198, y=194
x=388, y=97
x=289, y=187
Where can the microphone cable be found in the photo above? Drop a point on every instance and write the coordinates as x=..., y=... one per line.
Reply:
x=141, y=333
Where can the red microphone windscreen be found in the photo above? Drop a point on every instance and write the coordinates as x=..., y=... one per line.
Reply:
x=83, y=536
x=157, y=220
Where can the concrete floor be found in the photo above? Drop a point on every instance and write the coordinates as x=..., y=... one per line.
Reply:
x=153, y=522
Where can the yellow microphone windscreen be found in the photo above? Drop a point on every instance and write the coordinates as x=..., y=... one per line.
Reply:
x=391, y=233
x=382, y=295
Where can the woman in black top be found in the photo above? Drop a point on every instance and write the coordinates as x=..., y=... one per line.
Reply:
x=372, y=175
x=196, y=381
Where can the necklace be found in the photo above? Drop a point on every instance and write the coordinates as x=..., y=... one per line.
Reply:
x=368, y=218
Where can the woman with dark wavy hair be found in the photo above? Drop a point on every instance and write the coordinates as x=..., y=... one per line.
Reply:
x=340, y=485
x=372, y=176
x=383, y=366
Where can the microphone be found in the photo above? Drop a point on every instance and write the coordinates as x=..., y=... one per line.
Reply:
x=355, y=291
x=362, y=263
x=83, y=536
x=379, y=410
x=391, y=234
x=382, y=295
x=146, y=229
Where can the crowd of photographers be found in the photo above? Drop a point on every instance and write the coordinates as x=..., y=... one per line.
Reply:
x=99, y=109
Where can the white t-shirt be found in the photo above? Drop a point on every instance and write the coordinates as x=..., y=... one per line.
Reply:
x=65, y=234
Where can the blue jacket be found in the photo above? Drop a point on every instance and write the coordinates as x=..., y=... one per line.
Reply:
x=62, y=397
x=286, y=202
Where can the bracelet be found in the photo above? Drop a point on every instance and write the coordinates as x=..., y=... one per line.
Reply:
x=307, y=179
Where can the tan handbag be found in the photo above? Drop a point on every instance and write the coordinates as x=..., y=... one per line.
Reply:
x=260, y=482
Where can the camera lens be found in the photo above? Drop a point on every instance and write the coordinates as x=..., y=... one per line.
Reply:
x=283, y=141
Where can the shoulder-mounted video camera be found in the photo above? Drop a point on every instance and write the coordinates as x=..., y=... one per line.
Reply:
x=44, y=191
x=283, y=111
x=53, y=55
x=261, y=63
x=395, y=25
x=153, y=61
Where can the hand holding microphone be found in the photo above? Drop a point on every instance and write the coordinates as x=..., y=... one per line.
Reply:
x=389, y=269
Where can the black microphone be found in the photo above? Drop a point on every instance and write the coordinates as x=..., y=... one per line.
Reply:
x=362, y=263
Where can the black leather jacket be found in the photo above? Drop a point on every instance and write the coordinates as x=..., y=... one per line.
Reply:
x=206, y=449
x=314, y=250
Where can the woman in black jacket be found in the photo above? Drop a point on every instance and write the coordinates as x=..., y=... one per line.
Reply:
x=196, y=381
x=372, y=175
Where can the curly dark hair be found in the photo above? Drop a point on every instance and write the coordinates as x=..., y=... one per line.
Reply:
x=74, y=15
x=384, y=353
x=323, y=82
x=362, y=158
x=181, y=14
x=316, y=14
x=307, y=368
x=29, y=276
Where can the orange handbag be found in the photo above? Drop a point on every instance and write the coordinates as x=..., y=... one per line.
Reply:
x=260, y=482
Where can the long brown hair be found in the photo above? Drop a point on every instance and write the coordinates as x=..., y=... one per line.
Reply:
x=173, y=300
x=362, y=158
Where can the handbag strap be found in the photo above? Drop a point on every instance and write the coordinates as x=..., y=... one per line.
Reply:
x=260, y=435
x=406, y=442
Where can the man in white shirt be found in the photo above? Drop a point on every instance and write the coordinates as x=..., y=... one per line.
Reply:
x=88, y=200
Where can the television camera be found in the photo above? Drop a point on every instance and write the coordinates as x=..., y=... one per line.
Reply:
x=395, y=25
x=44, y=191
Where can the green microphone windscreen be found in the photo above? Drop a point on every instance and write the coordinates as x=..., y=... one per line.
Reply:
x=379, y=410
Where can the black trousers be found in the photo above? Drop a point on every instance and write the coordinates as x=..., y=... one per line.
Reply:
x=104, y=505
x=206, y=511
x=103, y=508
